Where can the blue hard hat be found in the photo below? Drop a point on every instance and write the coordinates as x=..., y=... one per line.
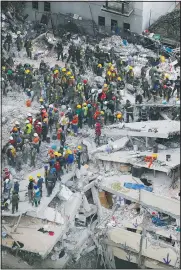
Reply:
x=46, y=167
x=35, y=187
x=89, y=105
x=54, y=147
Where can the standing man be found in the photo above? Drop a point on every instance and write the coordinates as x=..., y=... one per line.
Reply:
x=15, y=201
x=59, y=48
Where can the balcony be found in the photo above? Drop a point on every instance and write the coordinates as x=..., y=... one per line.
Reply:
x=123, y=8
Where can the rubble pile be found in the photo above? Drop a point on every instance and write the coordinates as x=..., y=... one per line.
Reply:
x=123, y=180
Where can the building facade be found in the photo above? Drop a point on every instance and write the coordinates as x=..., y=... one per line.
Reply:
x=132, y=15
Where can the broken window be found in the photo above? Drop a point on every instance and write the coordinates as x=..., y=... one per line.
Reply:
x=35, y=5
x=47, y=6
x=101, y=21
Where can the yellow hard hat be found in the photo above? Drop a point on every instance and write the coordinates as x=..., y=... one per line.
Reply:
x=109, y=64
x=41, y=99
x=99, y=65
x=56, y=153
x=63, y=69
x=84, y=104
x=69, y=73
x=119, y=116
x=79, y=147
x=3, y=68
x=112, y=68
x=78, y=106
x=30, y=177
x=27, y=71
x=109, y=73
x=130, y=68
x=59, y=154
x=119, y=78
x=56, y=71
x=72, y=77
x=105, y=85
x=102, y=113
x=38, y=175
x=167, y=76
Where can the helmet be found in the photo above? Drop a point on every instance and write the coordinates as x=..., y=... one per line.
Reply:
x=27, y=122
x=109, y=73
x=63, y=69
x=102, y=113
x=69, y=73
x=35, y=135
x=41, y=99
x=56, y=71
x=78, y=106
x=144, y=107
x=11, y=147
x=3, y=68
x=38, y=175
x=11, y=138
x=79, y=147
x=112, y=68
x=69, y=109
x=30, y=177
x=105, y=102
x=84, y=104
x=89, y=105
x=99, y=65
x=6, y=170
x=56, y=153
x=27, y=71
x=105, y=85
x=55, y=109
x=39, y=123
x=18, y=33
x=119, y=116
x=15, y=129
x=42, y=107
x=119, y=78
x=92, y=91
x=59, y=154
x=7, y=180
x=29, y=114
x=50, y=106
x=109, y=64
x=85, y=81
x=130, y=68
x=72, y=77
x=62, y=114
x=17, y=123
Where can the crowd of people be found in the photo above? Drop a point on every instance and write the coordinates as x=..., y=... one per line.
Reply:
x=87, y=104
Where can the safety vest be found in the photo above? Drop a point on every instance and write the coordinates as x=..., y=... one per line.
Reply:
x=28, y=129
x=13, y=152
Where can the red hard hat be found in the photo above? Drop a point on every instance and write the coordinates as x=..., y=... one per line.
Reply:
x=6, y=170
x=113, y=98
x=85, y=81
x=43, y=111
x=164, y=86
x=62, y=114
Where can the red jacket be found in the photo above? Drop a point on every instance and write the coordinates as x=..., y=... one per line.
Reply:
x=30, y=119
x=57, y=166
x=13, y=142
x=38, y=129
x=98, y=129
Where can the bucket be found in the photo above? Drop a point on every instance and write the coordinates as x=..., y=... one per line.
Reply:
x=28, y=103
x=135, y=147
x=168, y=157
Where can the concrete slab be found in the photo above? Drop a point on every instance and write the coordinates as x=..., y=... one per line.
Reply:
x=129, y=158
x=35, y=241
x=49, y=214
x=128, y=194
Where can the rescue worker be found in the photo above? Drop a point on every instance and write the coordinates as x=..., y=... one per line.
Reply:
x=36, y=196
x=71, y=52
x=28, y=46
x=33, y=154
x=35, y=142
x=145, y=87
x=8, y=41
x=15, y=201
x=177, y=87
x=19, y=41
x=16, y=187
x=19, y=159
x=30, y=189
x=129, y=111
x=50, y=184
x=59, y=48
x=40, y=183
x=78, y=156
x=97, y=132
x=143, y=114
x=78, y=57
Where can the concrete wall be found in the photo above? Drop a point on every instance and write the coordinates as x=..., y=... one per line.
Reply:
x=153, y=10
x=164, y=204
x=83, y=9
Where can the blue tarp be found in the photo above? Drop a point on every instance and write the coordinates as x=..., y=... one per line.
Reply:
x=138, y=187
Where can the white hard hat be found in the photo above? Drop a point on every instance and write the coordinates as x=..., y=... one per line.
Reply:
x=2, y=79
x=42, y=107
x=99, y=91
x=105, y=102
x=18, y=33
x=27, y=122
x=35, y=135
x=11, y=147
x=39, y=123
x=29, y=114
x=11, y=138
x=51, y=106
x=69, y=109
x=7, y=180
x=92, y=91
x=17, y=123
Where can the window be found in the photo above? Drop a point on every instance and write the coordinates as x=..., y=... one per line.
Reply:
x=126, y=26
x=35, y=5
x=101, y=21
x=114, y=24
x=47, y=6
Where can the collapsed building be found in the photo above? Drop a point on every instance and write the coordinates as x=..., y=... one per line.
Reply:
x=123, y=203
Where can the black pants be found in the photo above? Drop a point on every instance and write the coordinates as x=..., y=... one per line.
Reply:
x=14, y=206
x=128, y=114
x=178, y=91
x=49, y=188
x=29, y=53
x=58, y=55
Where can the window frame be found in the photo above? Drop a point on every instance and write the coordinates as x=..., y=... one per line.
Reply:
x=99, y=21
x=33, y=2
x=47, y=2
